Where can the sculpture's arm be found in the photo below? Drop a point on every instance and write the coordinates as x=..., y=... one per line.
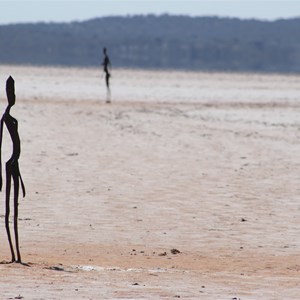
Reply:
x=1, y=135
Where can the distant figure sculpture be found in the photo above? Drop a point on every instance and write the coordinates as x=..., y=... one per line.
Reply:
x=106, y=66
x=12, y=168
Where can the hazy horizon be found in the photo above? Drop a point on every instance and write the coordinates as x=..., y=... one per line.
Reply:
x=149, y=14
x=23, y=11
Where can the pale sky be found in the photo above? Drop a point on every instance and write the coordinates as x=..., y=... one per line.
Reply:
x=16, y=11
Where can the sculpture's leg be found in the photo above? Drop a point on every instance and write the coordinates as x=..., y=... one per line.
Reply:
x=7, y=211
x=107, y=80
x=108, y=100
x=16, y=211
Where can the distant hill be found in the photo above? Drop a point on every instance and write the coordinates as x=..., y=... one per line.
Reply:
x=177, y=42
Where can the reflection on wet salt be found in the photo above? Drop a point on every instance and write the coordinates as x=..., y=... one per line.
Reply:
x=63, y=84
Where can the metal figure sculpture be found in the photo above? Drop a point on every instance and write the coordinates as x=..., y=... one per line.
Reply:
x=12, y=168
x=106, y=68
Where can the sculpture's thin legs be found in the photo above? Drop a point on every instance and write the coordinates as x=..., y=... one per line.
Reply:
x=108, y=88
x=7, y=211
x=16, y=211
x=107, y=80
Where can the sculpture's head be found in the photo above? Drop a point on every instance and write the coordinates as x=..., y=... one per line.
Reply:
x=104, y=51
x=10, y=91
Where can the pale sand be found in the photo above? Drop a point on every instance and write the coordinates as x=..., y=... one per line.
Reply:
x=206, y=163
